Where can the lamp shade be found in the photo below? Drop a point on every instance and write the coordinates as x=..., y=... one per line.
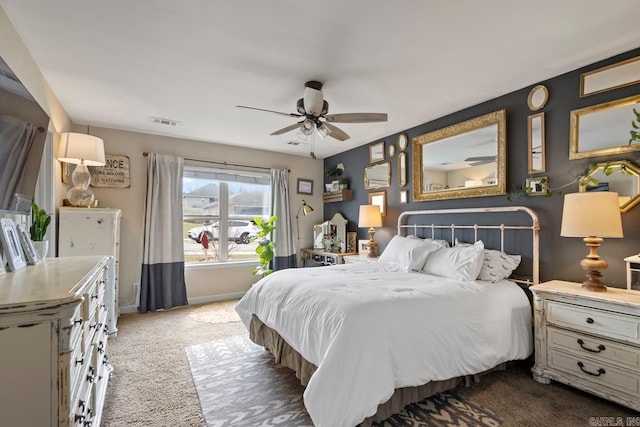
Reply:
x=78, y=147
x=369, y=216
x=306, y=209
x=594, y=213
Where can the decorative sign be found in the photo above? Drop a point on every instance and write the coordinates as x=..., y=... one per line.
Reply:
x=115, y=173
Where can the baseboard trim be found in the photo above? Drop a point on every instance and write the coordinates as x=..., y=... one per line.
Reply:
x=128, y=309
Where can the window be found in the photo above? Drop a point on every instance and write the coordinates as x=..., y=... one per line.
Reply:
x=219, y=206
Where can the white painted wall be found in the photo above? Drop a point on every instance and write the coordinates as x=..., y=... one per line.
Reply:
x=202, y=284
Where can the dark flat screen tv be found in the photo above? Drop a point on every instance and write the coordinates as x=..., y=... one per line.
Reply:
x=23, y=130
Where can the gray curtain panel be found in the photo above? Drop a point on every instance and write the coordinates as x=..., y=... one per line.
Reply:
x=17, y=136
x=285, y=256
x=162, y=284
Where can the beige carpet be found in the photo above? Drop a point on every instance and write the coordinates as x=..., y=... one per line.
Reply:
x=152, y=384
x=216, y=312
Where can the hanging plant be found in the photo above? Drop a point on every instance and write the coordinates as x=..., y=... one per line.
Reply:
x=584, y=179
x=635, y=132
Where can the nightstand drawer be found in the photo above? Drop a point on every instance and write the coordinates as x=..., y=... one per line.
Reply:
x=599, y=373
x=612, y=325
x=595, y=348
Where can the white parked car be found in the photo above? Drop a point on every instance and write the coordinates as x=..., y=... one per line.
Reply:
x=240, y=231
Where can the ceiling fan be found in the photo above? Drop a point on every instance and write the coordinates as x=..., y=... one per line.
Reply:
x=312, y=109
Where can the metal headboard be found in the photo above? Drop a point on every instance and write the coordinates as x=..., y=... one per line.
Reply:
x=534, y=227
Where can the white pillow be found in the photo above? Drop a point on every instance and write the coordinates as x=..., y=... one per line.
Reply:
x=442, y=242
x=410, y=254
x=461, y=262
x=497, y=265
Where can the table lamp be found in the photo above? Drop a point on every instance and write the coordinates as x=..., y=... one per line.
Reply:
x=82, y=150
x=370, y=217
x=592, y=215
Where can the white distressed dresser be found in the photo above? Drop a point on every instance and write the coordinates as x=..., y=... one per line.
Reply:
x=588, y=340
x=94, y=231
x=53, y=342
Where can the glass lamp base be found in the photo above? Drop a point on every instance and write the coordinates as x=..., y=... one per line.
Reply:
x=82, y=197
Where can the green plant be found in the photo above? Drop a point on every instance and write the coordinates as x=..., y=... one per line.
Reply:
x=266, y=247
x=635, y=124
x=583, y=180
x=40, y=220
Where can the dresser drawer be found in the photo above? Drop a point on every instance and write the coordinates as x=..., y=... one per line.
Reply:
x=594, y=321
x=598, y=349
x=598, y=373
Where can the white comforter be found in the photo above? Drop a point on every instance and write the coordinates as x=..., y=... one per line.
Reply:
x=371, y=328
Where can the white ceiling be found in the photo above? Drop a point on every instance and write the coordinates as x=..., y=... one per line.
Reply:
x=116, y=63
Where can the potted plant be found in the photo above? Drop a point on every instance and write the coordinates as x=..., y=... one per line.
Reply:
x=344, y=183
x=266, y=246
x=40, y=220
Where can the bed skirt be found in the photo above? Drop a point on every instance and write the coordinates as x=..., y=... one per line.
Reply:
x=285, y=355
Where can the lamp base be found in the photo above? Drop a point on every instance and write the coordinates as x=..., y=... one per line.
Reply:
x=594, y=266
x=373, y=245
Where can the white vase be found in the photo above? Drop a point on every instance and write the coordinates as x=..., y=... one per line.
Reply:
x=41, y=247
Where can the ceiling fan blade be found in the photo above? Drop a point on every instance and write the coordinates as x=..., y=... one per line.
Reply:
x=356, y=117
x=270, y=111
x=337, y=133
x=287, y=129
x=481, y=159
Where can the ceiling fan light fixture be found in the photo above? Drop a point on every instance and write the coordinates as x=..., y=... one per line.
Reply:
x=323, y=131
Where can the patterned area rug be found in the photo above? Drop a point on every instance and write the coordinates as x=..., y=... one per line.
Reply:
x=240, y=385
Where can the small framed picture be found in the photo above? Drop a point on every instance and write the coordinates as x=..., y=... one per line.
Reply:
x=379, y=199
x=363, y=247
x=305, y=186
x=403, y=196
x=11, y=244
x=376, y=152
x=27, y=245
x=335, y=185
x=537, y=186
x=352, y=242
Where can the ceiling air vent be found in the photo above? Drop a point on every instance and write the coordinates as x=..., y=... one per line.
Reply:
x=167, y=122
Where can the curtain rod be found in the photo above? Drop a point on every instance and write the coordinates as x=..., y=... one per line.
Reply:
x=145, y=154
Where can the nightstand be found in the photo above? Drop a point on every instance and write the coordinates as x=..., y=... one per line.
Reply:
x=588, y=340
x=358, y=259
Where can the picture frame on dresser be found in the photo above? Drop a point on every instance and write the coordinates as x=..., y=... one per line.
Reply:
x=30, y=252
x=11, y=245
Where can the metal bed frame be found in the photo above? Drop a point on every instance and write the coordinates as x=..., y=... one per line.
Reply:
x=534, y=227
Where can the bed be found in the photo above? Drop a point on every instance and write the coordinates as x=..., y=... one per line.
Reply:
x=368, y=339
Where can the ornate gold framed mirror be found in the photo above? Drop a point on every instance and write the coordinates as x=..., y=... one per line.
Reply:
x=402, y=169
x=538, y=97
x=535, y=143
x=468, y=159
x=603, y=129
x=610, y=178
x=377, y=176
x=403, y=141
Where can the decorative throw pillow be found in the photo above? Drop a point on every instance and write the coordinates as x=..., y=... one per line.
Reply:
x=410, y=254
x=461, y=262
x=497, y=265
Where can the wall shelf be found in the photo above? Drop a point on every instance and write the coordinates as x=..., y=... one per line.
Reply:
x=337, y=196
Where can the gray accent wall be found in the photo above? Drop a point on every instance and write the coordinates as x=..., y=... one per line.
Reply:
x=560, y=256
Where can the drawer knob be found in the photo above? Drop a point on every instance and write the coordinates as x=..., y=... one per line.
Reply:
x=600, y=347
x=601, y=371
x=589, y=320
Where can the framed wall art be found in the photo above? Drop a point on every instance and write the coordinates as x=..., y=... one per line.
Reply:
x=11, y=244
x=305, y=186
x=363, y=247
